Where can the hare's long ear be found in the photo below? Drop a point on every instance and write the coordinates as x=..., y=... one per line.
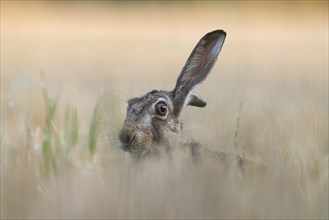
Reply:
x=196, y=69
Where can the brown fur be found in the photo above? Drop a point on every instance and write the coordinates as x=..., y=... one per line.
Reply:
x=147, y=132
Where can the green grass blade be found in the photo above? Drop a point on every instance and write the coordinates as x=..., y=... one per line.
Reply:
x=93, y=130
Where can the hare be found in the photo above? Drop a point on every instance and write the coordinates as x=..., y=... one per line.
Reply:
x=153, y=120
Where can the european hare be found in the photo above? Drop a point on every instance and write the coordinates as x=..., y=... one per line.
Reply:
x=153, y=120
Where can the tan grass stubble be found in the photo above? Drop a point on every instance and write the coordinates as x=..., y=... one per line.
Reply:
x=288, y=136
x=283, y=123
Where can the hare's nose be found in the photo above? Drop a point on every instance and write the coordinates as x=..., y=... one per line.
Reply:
x=126, y=137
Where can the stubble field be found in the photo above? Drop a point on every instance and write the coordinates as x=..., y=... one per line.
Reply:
x=68, y=68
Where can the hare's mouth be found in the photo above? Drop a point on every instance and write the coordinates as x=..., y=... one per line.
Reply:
x=127, y=146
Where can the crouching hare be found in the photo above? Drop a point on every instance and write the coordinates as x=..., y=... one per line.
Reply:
x=153, y=120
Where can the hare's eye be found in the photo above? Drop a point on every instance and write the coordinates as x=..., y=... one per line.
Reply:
x=161, y=108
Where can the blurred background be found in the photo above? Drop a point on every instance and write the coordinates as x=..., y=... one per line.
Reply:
x=267, y=99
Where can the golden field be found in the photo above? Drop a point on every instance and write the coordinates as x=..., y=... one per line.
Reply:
x=68, y=68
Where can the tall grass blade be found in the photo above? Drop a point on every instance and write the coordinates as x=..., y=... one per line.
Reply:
x=93, y=130
x=51, y=105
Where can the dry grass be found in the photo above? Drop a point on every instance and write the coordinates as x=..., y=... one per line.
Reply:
x=274, y=62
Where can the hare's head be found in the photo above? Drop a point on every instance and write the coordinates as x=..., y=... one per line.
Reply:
x=154, y=118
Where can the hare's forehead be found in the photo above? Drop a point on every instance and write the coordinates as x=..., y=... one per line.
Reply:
x=139, y=103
